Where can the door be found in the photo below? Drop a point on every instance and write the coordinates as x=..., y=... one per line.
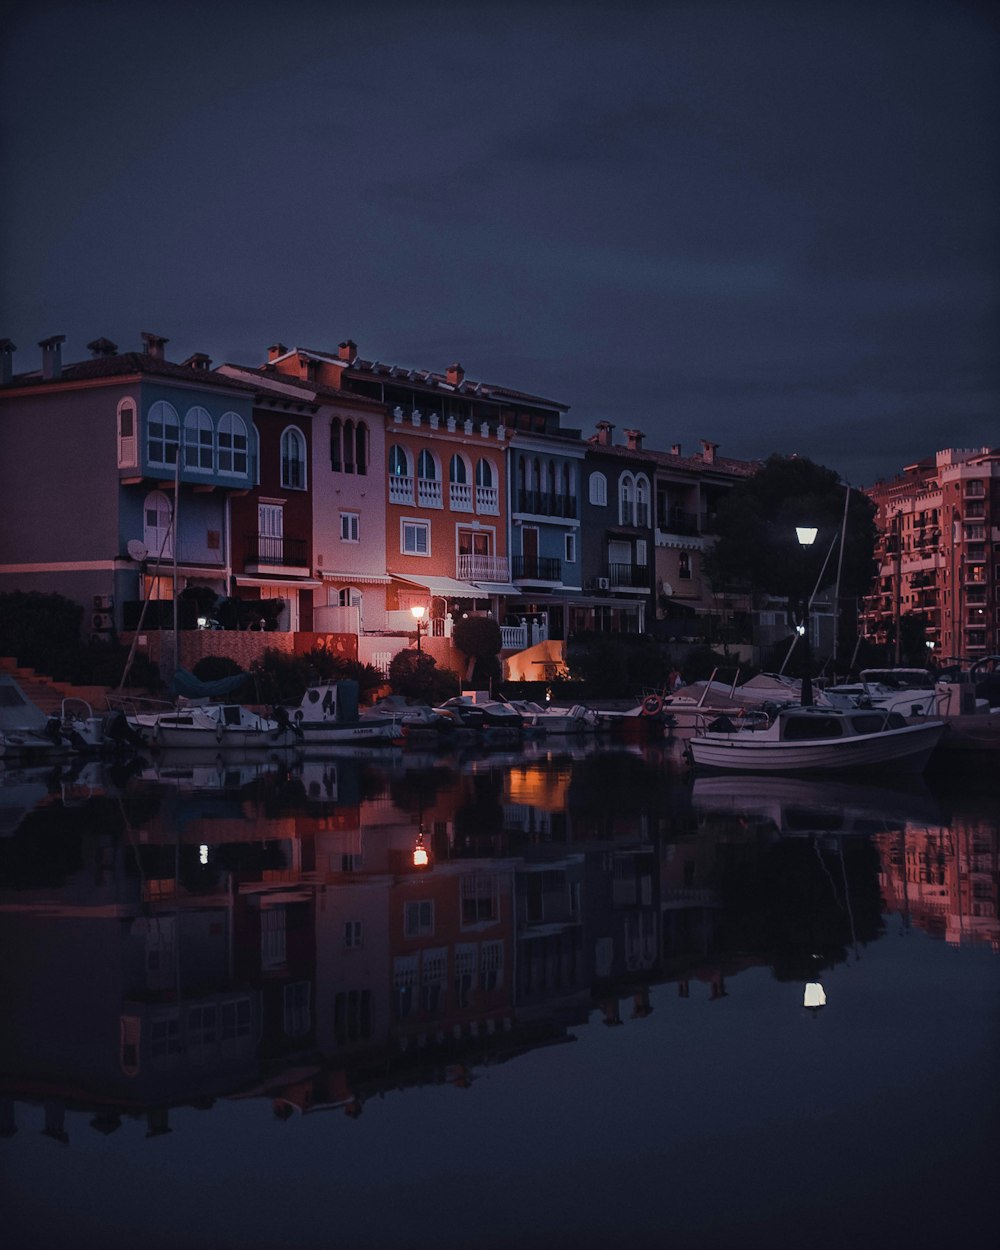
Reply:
x=270, y=533
x=529, y=547
x=157, y=517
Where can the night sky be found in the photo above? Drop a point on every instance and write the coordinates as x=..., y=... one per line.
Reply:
x=769, y=225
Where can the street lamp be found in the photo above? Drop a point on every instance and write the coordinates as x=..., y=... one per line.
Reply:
x=806, y=534
x=418, y=615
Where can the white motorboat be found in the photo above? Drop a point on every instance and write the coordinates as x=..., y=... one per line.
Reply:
x=815, y=739
x=556, y=720
x=221, y=726
x=26, y=733
x=908, y=691
x=328, y=714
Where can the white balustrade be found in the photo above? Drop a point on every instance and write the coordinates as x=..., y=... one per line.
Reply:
x=400, y=489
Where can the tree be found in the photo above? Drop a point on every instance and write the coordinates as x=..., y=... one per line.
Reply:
x=756, y=541
x=416, y=676
x=479, y=638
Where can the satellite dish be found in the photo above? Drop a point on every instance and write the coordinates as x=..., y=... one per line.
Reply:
x=136, y=549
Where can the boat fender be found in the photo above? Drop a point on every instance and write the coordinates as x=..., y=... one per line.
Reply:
x=652, y=705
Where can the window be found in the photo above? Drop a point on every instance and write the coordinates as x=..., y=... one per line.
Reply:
x=336, y=454
x=426, y=468
x=684, y=562
x=480, y=898
x=416, y=538
x=163, y=434
x=570, y=549
x=642, y=495
x=233, y=445
x=598, y=489
x=418, y=919
x=199, y=441
x=126, y=434
x=350, y=527
x=297, y=1013
x=484, y=473
x=272, y=938
x=348, y=446
x=235, y=1018
x=157, y=515
x=352, y=1016
x=293, y=459
x=361, y=448
x=491, y=965
x=457, y=471
x=353, y=934
x=626, y=508
x=398, y=464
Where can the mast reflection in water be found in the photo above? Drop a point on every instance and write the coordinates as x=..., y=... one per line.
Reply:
x=554, y=999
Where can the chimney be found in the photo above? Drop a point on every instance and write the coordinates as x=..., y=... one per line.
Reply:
x=454, y=375
x=605, y=433
x=102, y=347
x=347, y=351
x=634, y=438
x=276, y=350
x=7, y=350
x=52, y=355
x=154, y=345
x=708, y=451
x=675, y=449
x=307, y=367
x=198, y=361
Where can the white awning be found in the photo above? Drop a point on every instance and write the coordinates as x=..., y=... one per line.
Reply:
x=450, y=587
x=294, y=583
x=499, y=588
x=368, y=579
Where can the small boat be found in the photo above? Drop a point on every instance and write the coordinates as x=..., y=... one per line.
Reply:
x=215, y=726
x=329, y=714
x=26, y=733
x=556, y=720
x=815, y=739
x=909, y=691
x=493, y=719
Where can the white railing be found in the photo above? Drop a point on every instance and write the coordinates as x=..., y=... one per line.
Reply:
x=400, y=489
x=428, y=492
x=460, y=496
x=488, y=500
x=520, y=637
x=475, y=568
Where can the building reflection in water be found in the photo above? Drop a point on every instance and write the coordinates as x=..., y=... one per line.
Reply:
x=310, y=934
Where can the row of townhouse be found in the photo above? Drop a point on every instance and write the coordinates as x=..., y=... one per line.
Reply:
x=350, y=489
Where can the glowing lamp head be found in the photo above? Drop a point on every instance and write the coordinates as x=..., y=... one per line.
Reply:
x=806, y=534
x=418, y=611
x=420, y=857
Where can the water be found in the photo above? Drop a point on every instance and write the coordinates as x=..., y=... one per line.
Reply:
x=236, y=1013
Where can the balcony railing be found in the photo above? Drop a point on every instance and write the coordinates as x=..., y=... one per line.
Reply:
x=488, y=500
x=429, y=492
x=676, y=521
x=460, y=496
x=545, y=503
x=400, y=489
x=536, y=568
x=266, y=549
x=631, y=575
x=476, y=568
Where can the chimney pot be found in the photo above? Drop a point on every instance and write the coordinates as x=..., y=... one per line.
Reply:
x=605, y=433
x=7, y=350
x=708, y=451
x=454, y=375
x=347, y=351
x=675, y=449
x=102, y=347
x=154, y=345
x=52, y=355
x=634, y=438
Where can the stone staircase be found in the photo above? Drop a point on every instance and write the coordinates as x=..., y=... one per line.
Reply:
x=47, y=694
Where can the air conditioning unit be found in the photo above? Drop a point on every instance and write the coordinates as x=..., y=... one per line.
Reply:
x=101, y=622
x=603, y=583
x=103, y=603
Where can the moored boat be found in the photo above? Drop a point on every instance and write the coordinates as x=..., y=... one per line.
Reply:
x=223, y=726
x=815, y=739
x=328, y=713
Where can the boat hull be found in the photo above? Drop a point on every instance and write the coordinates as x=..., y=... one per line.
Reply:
x=908, y=748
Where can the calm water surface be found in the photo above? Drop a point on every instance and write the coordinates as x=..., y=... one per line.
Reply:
x=240, y=1010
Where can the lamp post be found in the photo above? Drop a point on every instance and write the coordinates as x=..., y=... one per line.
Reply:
x=806, y=535
x=418, y=616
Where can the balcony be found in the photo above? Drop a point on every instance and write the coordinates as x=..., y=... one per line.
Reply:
x=628, y=576
x=676, y=521
x=476, y=568
x=460, y=496
x=429, y=494
x=400, y=489
x=488, y=500
x=265, y=550
x=545, y=503
x=536, y=568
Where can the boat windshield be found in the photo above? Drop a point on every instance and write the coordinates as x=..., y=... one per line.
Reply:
x=876, y=723
x=797, y=728
x=899, y=678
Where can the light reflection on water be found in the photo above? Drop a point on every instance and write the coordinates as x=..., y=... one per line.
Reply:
x=585, y=1019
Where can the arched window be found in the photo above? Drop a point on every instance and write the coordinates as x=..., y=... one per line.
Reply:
x=484, y=473
x=426, y=468
x=233, y=444
x=598, y=489
x=293, y=459
x=336, y=456
x=126, y=434
x=361, y=448
x=199, y=441
x=626, y=508
x=348, y=446
x=550, y=484
x=642, y=497
x=399, y=466
x=457, y=472
x=254, y=465
x=157, y=518
x=163, y=433
x=522, y=480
